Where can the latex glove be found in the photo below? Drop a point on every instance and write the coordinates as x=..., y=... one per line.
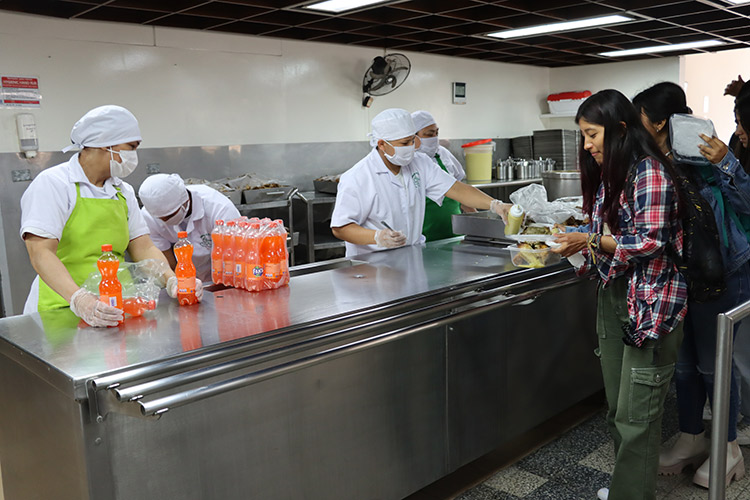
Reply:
x=500, y=209
x=386, y=238
x=90, y=309
x=172, y=288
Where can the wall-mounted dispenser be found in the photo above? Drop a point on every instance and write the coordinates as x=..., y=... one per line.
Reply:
x=27, y=137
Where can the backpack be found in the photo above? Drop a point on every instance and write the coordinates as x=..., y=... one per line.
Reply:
x=701, y=262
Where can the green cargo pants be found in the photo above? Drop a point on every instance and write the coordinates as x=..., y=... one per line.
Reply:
x=636, y=381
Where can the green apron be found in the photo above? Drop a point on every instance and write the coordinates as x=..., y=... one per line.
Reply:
x=438, y=220
x=93, y=223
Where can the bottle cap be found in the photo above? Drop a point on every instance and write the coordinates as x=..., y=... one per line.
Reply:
x=182, y=234
x=220, y=222
x=107, y=248
x=516, y=211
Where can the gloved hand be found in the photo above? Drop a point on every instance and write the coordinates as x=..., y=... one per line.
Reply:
x=500, y=209
x=389, y=239
x=172, y=288
x=90, y=309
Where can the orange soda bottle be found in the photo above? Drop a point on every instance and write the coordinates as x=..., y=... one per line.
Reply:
x=185, y=270
x=282, y=235
x=240, y=254
x=110, y=288
x=228, y=258
x=136, y=306
x=217, y=251
x=271, y=254
x=253, y=266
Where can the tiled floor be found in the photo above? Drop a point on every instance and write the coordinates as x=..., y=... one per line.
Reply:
x=580, y=462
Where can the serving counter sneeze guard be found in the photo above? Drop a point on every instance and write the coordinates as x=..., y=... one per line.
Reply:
x=369, y=379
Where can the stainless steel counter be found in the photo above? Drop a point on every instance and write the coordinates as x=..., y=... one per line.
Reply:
x=319, y=387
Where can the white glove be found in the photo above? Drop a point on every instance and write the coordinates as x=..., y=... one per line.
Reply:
x=172, y=288
x=90, y=309
x=389, y=239
x=500, y=209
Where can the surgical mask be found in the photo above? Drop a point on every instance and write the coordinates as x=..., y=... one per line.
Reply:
x=402, y=155
x=178, y=217
x=124, y=168
x=429, y=145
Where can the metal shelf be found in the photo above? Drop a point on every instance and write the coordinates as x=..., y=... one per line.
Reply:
x=319, y=241
x=494, y=184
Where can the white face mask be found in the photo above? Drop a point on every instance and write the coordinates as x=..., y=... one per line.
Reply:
x=429, y=145
x=178, y=217
x=402, y=155
x=124, y=168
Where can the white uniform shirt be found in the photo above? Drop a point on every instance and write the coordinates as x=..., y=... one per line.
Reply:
x=209, y=205
x=49, y=200
x=369, y=193
x=451, y=163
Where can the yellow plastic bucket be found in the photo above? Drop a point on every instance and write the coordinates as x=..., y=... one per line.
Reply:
x=478, y=156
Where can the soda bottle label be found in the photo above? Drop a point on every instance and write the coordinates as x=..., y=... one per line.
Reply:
x=257, y=271
x=238, y=269
x=110, y=300
x=273, y=270
x=186, y=285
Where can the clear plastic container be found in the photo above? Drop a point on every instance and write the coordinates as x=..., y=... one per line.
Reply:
x=527, y=257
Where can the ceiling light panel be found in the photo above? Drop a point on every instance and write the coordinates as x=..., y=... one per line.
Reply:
x=702, y=44
x=338, y=6
x=564, y=26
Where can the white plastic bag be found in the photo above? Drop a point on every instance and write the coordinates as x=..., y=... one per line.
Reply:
x=533, y=200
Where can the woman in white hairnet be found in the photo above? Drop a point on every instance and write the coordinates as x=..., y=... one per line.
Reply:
x=169, y=206
x=438, y=219
x=70, y=210
x=387, y=188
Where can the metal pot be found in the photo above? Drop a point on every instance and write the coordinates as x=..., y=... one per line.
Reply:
x=562, y=183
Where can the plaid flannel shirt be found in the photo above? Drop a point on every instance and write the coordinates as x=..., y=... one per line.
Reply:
x=657, y=292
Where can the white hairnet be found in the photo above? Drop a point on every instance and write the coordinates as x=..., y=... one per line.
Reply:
x=391, y=125
x=422, y=119
x=104, y=126
x=163, y=194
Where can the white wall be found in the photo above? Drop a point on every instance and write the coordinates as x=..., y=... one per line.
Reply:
x=705, y=77
x=196, y=88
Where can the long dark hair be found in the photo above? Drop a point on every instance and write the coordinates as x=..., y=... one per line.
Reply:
x=662, y=101
x=742, y=107
x=626, y=141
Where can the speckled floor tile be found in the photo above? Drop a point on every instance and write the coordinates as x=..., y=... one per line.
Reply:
x=601, y=459
x=515, y=481
x=483, y=492
x=573, y=483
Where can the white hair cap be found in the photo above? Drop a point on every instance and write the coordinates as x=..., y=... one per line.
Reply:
x=104, y=126
x=422, y=119
x=163, y=194
x=391, y=125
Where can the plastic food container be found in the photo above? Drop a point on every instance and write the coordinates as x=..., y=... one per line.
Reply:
x=526, y=257
x=566, y=102
x=478, y=156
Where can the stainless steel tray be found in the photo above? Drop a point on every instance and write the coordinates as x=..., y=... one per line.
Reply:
x=481, y=224
x=329, y=187
x=266, y=194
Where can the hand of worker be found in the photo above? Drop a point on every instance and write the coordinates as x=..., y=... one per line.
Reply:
x=733, y=87
x=500, y=209
x=386, y=238
x=90, y=309
x=714, y=150
x=172, y=288
x=198, y=289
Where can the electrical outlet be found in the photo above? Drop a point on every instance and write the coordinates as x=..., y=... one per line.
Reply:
x=152, y=168
x=21, y=175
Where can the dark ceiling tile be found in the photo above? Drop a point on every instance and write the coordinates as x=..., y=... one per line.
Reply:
x=636, y=4
x=539, y=5
x=675, y=9
x=737, y=22
x=434, y=6
x=423, y=47
x=425, y=36
x=345, y=38
x=384, y=15
x=225, y=10
x=704, y=17
x=248, y=28
x=431, y=22
x=470, y=29
x=526, y=20
x=276, y=4
x=742, y=9
x=185, y=21
x=45, y=7
x=298, y=33
x=484, y=13
x=115, y=14
x=337, y=24
x=453, y=51
x=288, y=17
x=161, y=5
x=383, y=30
x=574, y=12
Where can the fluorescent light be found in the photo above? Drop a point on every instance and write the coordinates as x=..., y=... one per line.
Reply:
x=342, y=5
x=564, y=26
x=738, y=2
x=663, y=48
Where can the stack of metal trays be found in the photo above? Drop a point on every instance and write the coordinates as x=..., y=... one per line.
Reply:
x=558, y=144
x=522, y=147
x=485, y=227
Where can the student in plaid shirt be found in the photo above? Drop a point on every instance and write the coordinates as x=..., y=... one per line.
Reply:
x=642, y=298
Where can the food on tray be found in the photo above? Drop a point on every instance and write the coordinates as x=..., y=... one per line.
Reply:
x=572, y=221
x=532, y=254
x=329, y=178
x=539, y=229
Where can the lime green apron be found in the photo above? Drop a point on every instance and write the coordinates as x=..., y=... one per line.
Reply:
x=438, y=220
x=93, y=223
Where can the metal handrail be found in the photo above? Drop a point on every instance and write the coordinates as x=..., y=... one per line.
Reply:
x=720, y=422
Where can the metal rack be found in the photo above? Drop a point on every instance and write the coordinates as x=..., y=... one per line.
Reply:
x=325, y=241
x=246, y=208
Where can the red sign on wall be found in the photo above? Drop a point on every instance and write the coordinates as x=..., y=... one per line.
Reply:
x=20, y=91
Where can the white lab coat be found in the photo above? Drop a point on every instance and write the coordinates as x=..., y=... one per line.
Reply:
x=209, y=205
x=369, y=193
x=451, y=163
x=49, y=200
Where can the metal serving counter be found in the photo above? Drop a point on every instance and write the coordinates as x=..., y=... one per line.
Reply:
x=368, y=380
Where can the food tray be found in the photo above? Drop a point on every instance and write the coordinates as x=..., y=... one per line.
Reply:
x=266, y=194
x=234, y=196
x=329, y=187
x=526, y=257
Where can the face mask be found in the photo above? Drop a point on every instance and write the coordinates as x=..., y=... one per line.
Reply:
x=178, y=217
x=124, y=168
x=402, y=155
x=429, y=145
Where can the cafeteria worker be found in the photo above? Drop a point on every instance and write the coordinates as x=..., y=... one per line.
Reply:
x=70, y=210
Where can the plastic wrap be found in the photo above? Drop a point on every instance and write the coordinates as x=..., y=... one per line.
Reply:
x=141, y=282
x=533, y=201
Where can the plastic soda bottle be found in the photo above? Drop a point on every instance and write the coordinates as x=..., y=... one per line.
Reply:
x=110, y=288
x=228, y=258
x=271, y=253
x=217, y=251
x=254, y=266
x=240, y=255
x=136, y=306
x=185, y=270
x=282, y=234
